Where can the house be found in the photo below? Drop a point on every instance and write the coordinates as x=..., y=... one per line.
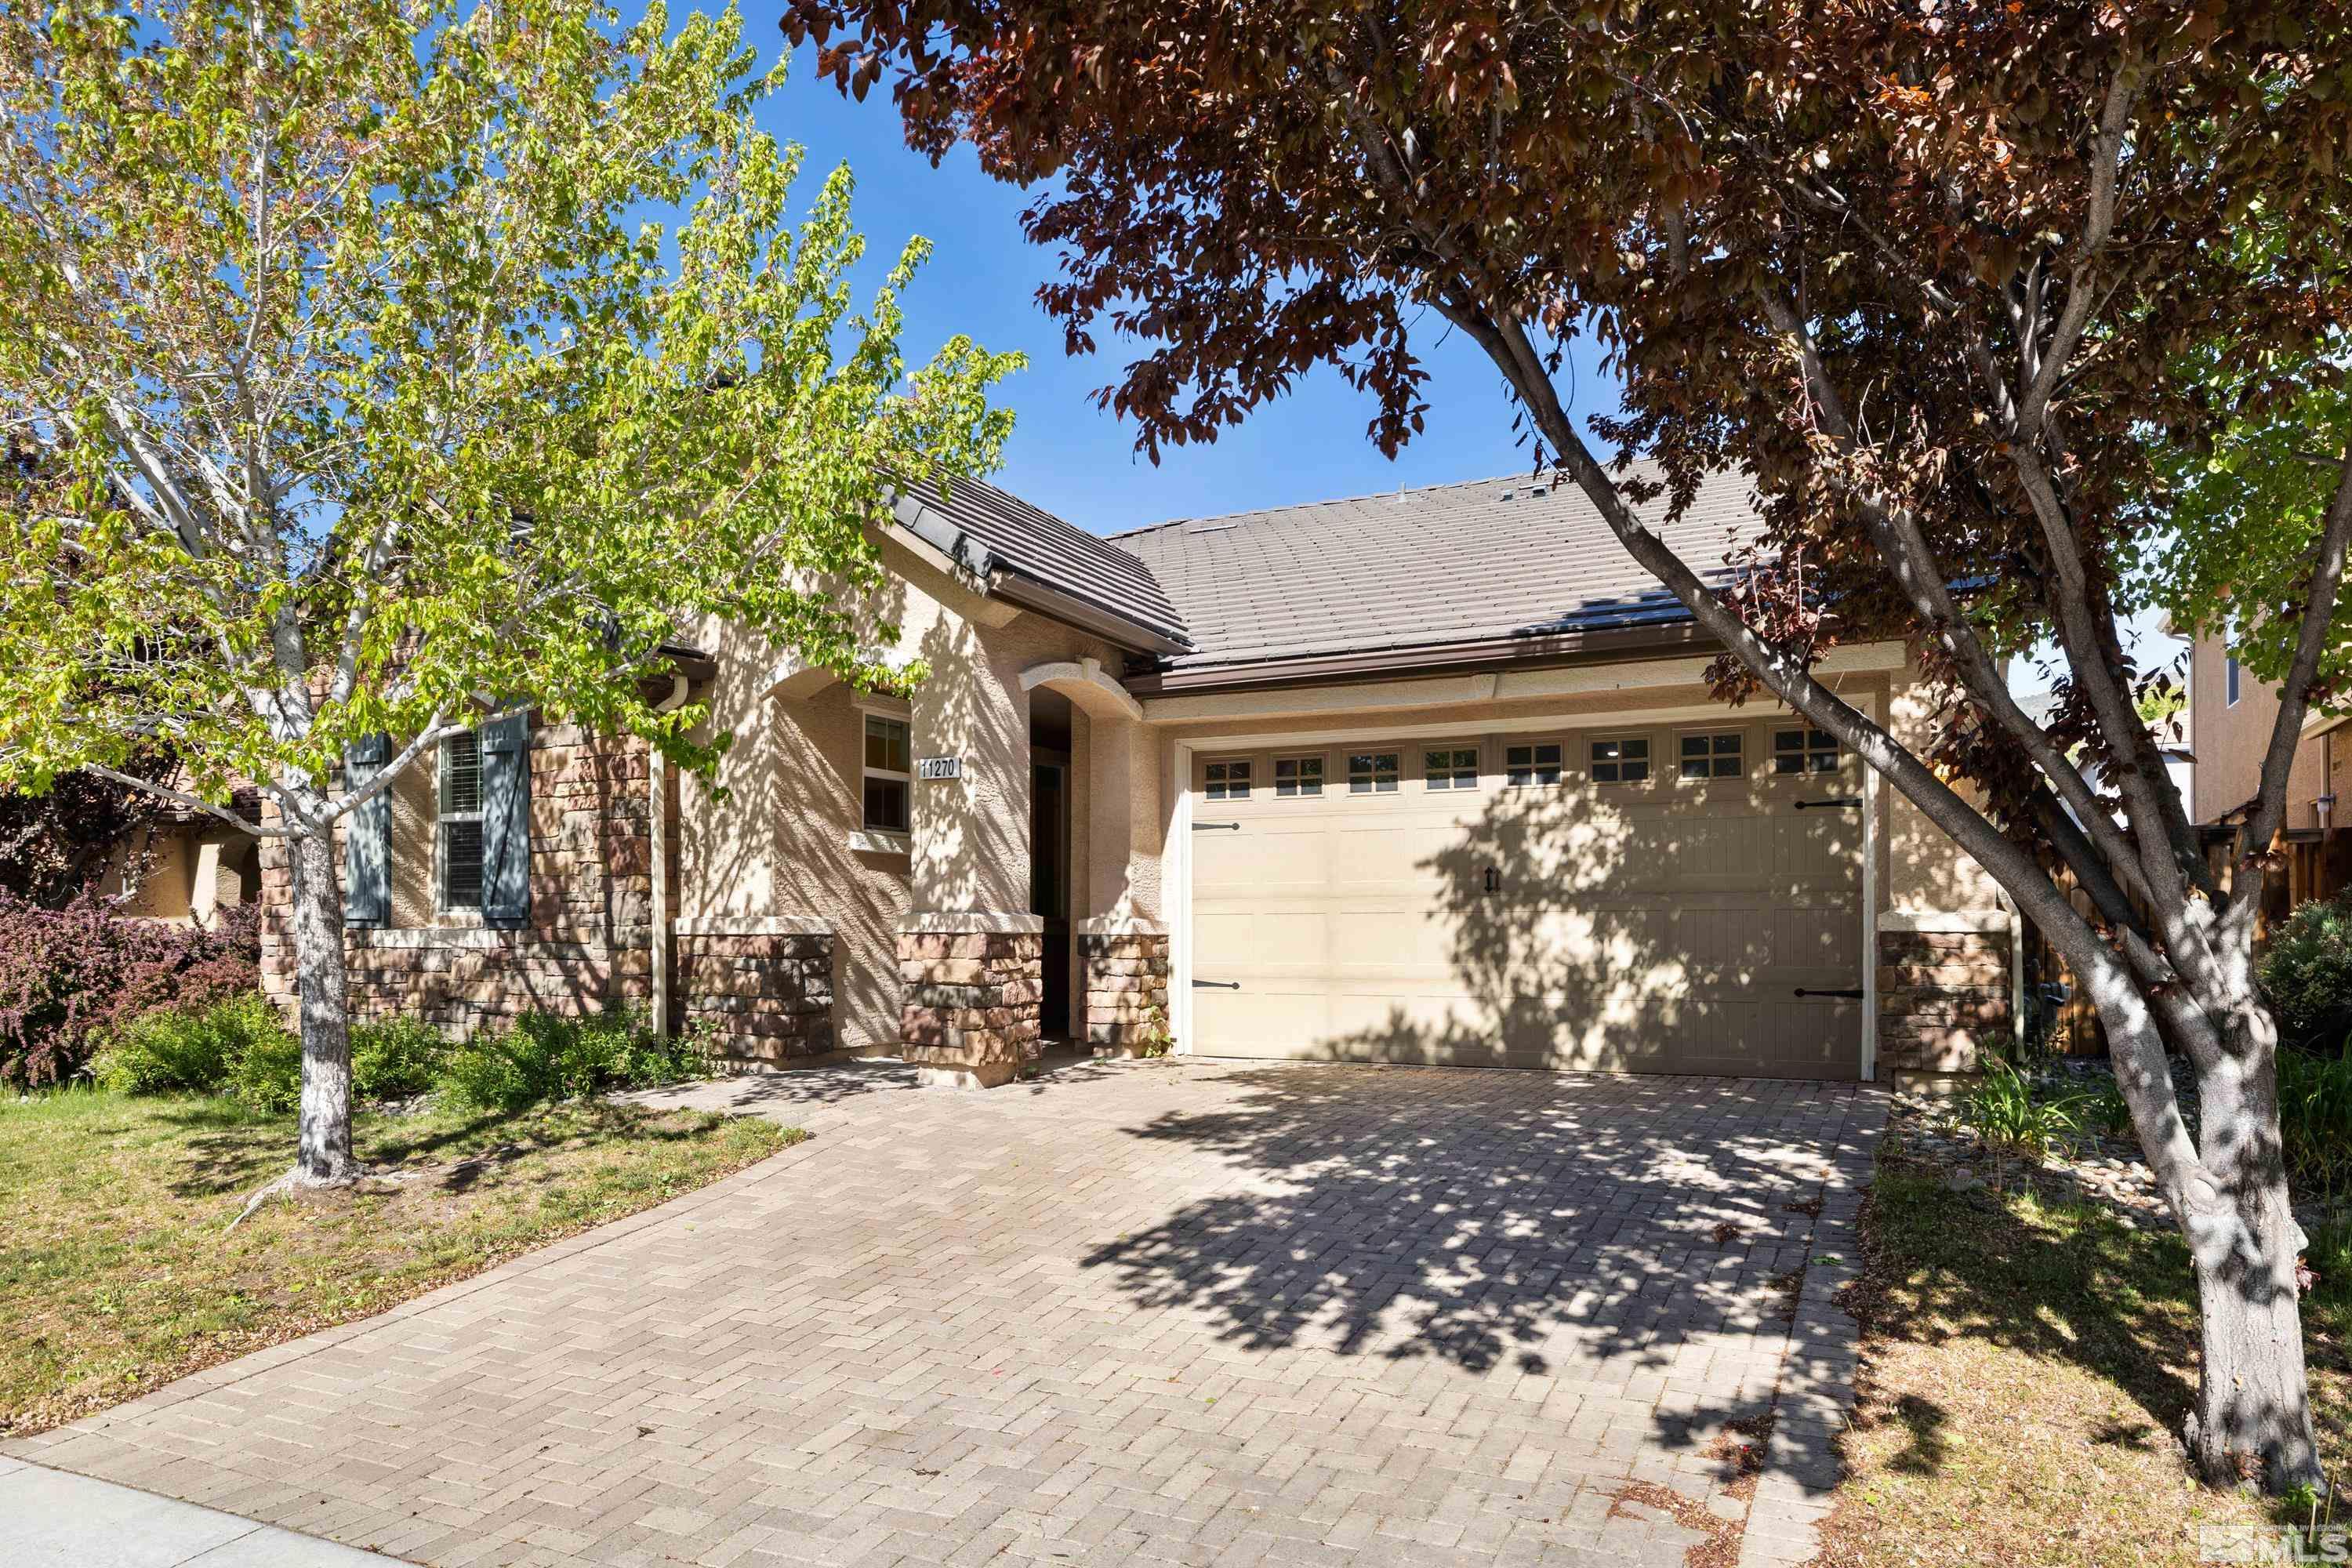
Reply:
x=2230, y=718
x=184, y=867
x=1430, y=776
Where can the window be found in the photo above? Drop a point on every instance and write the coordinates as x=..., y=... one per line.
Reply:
x=2229, y=678
x=1804, y=751
x=889, y=773
x=458, y=823
x=1623, y=760
x=1229, y=781
x=1456, y=767
x=1297, y=776
x=1711, y=756
x=1372, y=773
x=1536, y=763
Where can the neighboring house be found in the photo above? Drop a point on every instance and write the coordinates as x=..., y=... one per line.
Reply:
x=2230, y=715
x=1431, y=777
x=185, y=866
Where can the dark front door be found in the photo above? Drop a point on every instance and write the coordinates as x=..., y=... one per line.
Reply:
x=1049, y=888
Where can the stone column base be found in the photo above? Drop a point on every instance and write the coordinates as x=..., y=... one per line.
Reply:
x=968, y=1014
x=1943, y=1002
x=762, y=985
x=1127, y=991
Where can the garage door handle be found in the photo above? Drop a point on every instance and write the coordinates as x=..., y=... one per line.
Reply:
x=1216, y=827
x=1220, y=985
x=1855, y=993
x=1835, y=803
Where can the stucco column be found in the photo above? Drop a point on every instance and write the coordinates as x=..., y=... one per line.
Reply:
x=970, y=955
x=1123, y=940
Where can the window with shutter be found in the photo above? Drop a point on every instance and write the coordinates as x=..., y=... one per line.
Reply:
x=506, y=820
x=367, y=838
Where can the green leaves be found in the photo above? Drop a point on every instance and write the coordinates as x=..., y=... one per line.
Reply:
x=382, y=357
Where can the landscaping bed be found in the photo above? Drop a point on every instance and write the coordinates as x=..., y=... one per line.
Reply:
x=118, y=1272
x=2029, y=1355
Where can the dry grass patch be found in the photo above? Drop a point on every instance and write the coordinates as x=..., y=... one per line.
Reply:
x=2026, y=1367
x=117, y=1274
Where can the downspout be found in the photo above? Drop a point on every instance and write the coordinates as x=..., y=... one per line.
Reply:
x=657, y=855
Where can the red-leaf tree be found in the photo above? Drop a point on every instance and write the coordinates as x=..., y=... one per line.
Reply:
x=1966, y=289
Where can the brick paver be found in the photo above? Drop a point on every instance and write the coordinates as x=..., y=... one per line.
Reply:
x=1174, y=1311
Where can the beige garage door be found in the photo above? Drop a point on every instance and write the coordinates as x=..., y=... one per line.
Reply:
x=1566, y=901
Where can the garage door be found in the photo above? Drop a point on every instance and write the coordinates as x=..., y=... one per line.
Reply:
x=1647, y=901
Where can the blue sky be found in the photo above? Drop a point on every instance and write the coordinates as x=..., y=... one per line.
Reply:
x=1066, y=455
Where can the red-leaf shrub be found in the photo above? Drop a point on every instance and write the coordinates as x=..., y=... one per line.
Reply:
x=71, y=975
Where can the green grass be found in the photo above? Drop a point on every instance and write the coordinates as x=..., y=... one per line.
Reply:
x=2025, y=1368
x=117, y=1273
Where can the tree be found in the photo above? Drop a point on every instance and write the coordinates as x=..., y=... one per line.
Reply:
x=1946, y=279
x=399, y=364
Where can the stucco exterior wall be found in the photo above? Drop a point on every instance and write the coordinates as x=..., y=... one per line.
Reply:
x=1925, y=871
x=783, y=837
x=2229, y=740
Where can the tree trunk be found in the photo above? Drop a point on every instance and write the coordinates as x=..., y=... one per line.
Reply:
x=323, y=1154
x=2252, y=1421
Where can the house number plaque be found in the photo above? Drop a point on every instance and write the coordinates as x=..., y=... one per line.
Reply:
x=938, y=767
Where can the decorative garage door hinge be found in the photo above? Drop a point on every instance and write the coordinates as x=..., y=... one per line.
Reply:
x=1835, y=803
x=1215, y=827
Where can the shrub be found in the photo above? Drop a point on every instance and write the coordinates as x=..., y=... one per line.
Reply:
x=70, y=978
x=200, y=1050
x=2307, y=975
x=2315, y=1119
x=395, y=1058
x=548, y=1056
x=268, y=1075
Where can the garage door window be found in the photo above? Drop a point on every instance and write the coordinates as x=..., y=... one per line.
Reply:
x=1624, y=759
x=1453, y=768
x=1229, y=781
x=1711, y=756
x=1372, y=773
x=1804, y=751
x=1537, y=762
x=1297, y=777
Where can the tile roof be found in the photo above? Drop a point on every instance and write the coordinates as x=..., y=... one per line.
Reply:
x=1448, y=564
x=1031, y=542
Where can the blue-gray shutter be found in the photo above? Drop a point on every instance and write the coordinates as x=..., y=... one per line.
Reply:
x=367, y=839
x=506, y=820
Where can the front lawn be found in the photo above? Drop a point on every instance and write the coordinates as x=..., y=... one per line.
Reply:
x=117, y=1273
x=2027, y=1365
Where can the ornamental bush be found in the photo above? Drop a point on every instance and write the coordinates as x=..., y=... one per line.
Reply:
x=200, y=1050
x=2307, y=975
x=71, y=978
x=548, y=1056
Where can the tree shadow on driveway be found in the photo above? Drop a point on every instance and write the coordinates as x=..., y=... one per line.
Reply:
x=1493, y=1221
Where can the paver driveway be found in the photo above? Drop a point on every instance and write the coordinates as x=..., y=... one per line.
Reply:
x=1192, y=1312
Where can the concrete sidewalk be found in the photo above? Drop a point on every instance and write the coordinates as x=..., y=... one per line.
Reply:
x=49, y=1519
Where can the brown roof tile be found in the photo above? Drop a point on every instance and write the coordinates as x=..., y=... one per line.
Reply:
x=1420, y=568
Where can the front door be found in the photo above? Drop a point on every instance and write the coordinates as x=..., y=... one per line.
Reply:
x=1049, y=888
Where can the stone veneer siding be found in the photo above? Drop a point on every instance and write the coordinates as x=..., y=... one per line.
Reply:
x=588, y=945
x=764, y=998
x=1943, y=999
x=971, y=1001
x=1126, y=982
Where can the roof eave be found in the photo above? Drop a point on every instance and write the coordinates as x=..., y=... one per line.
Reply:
x=991, y=575
x=1454, y=658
